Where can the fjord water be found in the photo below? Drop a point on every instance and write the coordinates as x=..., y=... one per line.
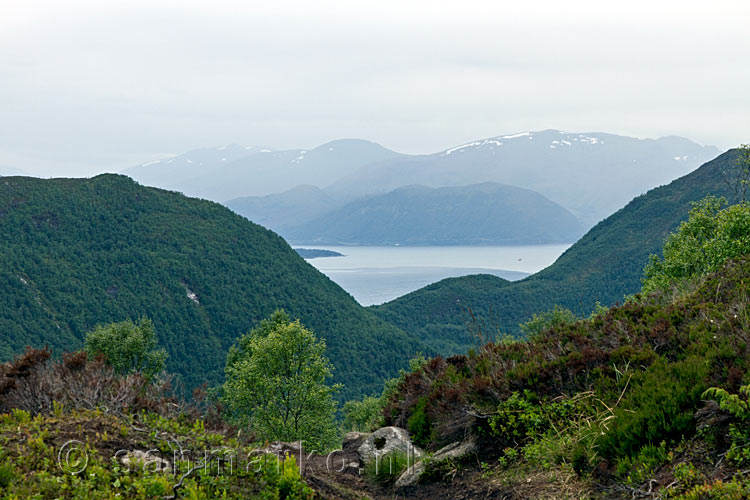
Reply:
x=377, y=274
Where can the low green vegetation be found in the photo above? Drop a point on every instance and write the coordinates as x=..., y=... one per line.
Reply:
x=363, y=415
x=35, y=461
x=556, y=317
x=387, y=468
x=74, y=428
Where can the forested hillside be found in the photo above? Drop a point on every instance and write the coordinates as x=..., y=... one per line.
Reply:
x=605, y=265
x=79, y=252
x=479, y=214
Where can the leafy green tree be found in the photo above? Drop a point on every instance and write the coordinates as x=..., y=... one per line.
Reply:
x=737, y=177
x=364, y=415
x=557, y=316
x=128, y=347
x=712, y=234
x=276, y=383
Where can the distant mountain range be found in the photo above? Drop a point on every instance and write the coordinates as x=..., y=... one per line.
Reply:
x=228, y=172
x=480, y=214
x=304, y=195
x=603, y=266
x=592, y=174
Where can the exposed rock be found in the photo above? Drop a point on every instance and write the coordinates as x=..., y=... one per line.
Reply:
x=150, y=461
x=454, y=450
x=353, y=440
x=280, y=449
x=410, y=476
x=387, y=440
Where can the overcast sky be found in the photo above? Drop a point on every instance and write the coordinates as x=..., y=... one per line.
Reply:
x=96, y=86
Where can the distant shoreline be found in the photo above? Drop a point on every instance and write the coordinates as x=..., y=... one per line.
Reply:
x=315, y=253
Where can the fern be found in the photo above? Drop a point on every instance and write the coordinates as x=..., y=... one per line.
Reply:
x=739, y=433
x=733, y=403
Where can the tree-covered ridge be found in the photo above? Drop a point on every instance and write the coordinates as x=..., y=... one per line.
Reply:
x=80, y=252
x=603, y=266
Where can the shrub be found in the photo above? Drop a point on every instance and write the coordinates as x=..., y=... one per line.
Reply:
x=363, y=416
x=128, y=347
x=702, y=244
x=419, y=425
x=7, y=475
x=659, y=406
x=556, y=317
x=276, y=383
x=387, y=468
x=34, y=384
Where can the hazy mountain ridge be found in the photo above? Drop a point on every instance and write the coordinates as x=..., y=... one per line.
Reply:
x=222, y=174
x=591, y=174
x=481, y=214
x=286, y=211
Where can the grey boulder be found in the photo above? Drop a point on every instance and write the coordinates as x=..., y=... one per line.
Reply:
x=388, y=440
x=454, y=450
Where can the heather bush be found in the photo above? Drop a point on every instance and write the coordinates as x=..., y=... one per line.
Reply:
x=34, y=383
x=659, y=406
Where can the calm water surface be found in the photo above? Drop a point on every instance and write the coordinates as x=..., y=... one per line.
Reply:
x=374, y=275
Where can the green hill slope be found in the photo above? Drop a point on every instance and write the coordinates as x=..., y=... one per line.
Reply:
x=605, y=265
x=77, y=252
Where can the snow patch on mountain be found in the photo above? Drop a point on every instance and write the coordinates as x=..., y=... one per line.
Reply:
x=516, y=136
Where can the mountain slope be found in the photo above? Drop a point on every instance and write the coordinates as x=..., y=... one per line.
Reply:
x=191, y=165
x=77, y=252
x=233, y=171
x=591, y=174
x=285, y=211
x=604, y=265
x=485, y=213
